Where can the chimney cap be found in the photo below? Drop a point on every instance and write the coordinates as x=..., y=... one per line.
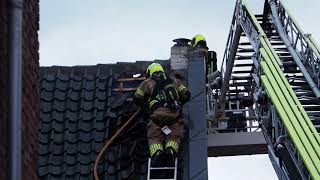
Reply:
x=182, y=41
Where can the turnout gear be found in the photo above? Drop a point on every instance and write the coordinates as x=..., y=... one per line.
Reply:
x=199, y=40
x=165, y=94
x=173, y=145
x=155, y=148
x=163, y=98
x=173, y=140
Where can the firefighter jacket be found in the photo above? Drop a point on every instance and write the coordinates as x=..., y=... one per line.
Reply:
x=160, y=115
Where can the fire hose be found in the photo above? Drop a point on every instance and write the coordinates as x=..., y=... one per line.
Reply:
x=109, y=142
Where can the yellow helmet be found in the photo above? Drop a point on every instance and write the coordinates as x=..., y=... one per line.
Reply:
x=198, y=39
x=153, y=68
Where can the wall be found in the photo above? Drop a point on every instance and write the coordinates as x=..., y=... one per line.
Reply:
x=31, y=95
x=3, y=88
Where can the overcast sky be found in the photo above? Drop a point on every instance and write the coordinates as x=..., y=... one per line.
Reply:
x=103, y=31
x=82, y=32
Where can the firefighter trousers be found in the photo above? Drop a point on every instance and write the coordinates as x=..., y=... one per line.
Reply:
x=158, y=140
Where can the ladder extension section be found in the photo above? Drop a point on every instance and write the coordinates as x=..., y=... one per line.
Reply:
x=297, y=44
x=299, y=126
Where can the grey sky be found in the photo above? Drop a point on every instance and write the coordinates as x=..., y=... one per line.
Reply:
x=81, y=32
x=255, y=167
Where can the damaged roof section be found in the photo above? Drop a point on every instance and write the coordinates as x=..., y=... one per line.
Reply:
x=83, y=106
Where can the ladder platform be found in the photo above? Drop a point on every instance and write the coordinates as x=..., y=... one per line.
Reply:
x=236, y=143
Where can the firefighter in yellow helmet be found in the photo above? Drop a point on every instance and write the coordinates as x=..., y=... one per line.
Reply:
x=163, y=98
x=199, y=41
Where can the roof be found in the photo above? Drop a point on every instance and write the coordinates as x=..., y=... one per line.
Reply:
x=81, y=107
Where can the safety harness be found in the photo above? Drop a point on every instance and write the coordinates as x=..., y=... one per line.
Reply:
x=165, y=94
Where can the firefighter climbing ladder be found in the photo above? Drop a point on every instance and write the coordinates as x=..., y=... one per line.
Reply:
x=269, y=59
x=171, y=171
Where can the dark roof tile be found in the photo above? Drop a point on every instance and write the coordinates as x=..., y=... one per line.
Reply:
x=46, y=106
x=71, y=115
x=79, y=112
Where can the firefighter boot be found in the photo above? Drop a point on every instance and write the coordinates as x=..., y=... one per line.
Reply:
x=157, y=160
x=170, y=157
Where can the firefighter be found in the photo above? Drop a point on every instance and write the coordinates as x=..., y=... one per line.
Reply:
x=163, y=98
x=199, y=42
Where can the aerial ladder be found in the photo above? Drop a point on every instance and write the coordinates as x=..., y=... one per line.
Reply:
x=271, y=74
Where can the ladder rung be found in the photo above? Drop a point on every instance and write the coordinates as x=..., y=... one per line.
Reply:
x=174, y=169
x=163, y=168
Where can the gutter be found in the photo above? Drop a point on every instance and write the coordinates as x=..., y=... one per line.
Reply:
x=15, y=85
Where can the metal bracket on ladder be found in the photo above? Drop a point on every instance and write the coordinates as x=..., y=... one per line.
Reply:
x=164, y=170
